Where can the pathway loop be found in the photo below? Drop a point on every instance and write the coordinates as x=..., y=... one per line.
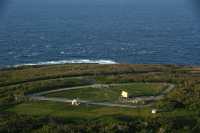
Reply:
x=39, y=96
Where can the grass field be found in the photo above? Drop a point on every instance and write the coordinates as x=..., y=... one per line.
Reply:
x=112, y=92
x=88, y=113
x=83, y=112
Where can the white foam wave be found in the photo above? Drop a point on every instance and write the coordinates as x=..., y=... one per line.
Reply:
x=84, y=61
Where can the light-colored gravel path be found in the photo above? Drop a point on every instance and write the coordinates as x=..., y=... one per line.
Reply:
x=39, y=96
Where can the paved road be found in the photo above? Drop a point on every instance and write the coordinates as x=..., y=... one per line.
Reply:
x=39, y=96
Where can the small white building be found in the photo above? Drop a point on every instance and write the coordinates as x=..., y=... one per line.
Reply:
x=154, y=111
x=124, y=94
x=75, y=102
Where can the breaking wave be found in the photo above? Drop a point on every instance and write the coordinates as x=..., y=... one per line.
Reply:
x=84, y=61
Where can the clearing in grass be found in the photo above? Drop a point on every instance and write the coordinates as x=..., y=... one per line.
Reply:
x=111, y=93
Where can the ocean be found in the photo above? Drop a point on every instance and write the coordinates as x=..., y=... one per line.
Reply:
x=99, y=31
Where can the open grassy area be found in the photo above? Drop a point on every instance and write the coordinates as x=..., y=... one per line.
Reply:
x=111, y=93
x=88, y=113
x=84, y=112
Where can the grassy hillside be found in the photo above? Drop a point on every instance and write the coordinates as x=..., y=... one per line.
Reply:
x=178, y=111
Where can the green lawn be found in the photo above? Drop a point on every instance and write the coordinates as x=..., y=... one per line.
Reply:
x=86, y=112
x=112, y=93
x=83, y=112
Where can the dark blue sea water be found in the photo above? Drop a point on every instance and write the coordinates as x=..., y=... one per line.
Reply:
x=125, y=31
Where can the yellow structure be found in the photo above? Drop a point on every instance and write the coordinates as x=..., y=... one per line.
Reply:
x=154, y=111
x=124, y=94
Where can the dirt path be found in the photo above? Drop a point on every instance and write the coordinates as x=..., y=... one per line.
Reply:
x=38, y=96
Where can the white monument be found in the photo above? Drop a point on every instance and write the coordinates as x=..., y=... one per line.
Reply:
x=75, y=102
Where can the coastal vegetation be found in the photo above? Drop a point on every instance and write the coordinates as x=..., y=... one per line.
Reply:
x=178, y=111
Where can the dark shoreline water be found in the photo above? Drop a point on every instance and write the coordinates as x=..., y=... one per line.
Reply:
x=123, y=31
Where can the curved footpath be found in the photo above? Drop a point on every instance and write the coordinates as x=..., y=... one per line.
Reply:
x=39, y=96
